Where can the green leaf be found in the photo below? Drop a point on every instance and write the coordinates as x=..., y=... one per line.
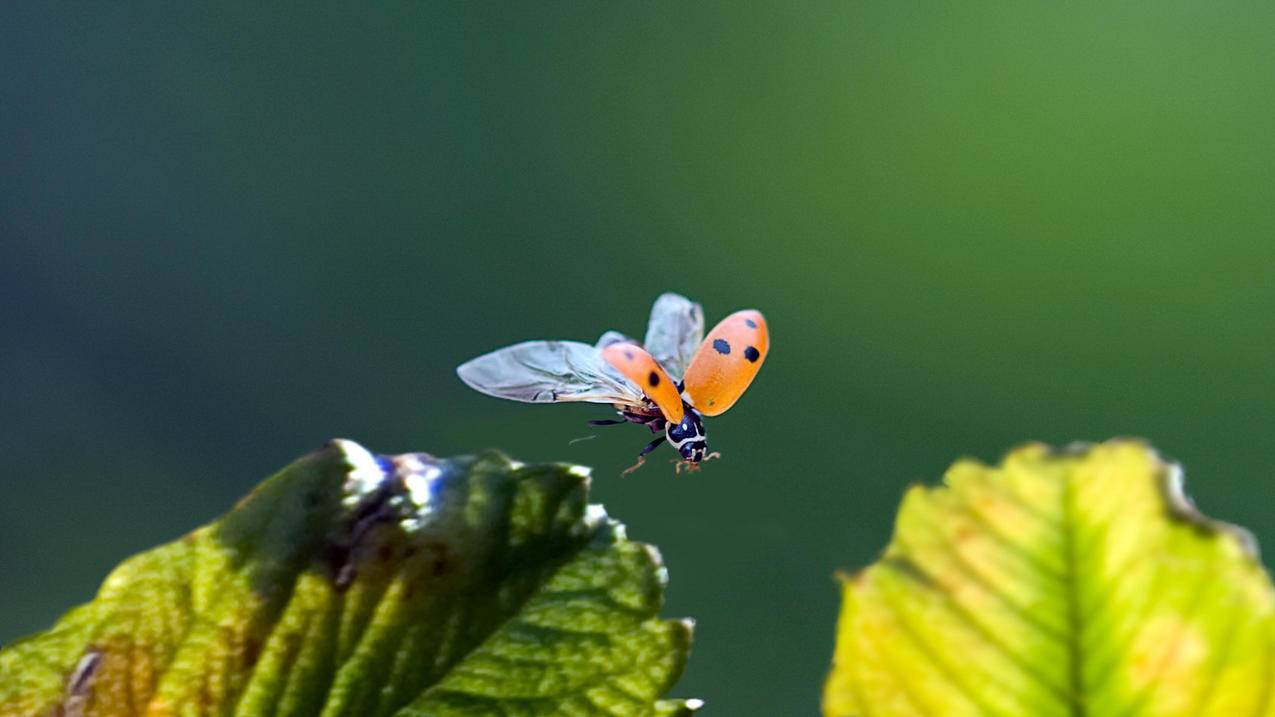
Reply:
x=350, y=584
x=1063, y=584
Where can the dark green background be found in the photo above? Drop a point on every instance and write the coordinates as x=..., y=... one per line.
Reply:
x=229, y=233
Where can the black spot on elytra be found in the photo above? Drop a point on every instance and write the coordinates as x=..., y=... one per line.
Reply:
x=721, y=345
x=751, y=324
x=628, y=354
x=653, y=379
x=752, y=354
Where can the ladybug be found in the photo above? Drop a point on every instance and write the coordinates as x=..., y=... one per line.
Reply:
x=669, y=383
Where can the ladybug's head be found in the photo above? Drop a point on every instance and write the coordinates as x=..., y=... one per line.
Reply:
x=688, y=436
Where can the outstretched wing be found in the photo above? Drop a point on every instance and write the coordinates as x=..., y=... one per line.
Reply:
x=674, y=332
x=613, y=337
x=549, y=372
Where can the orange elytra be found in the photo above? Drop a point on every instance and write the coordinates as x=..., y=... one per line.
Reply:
x=642, y=369
x=727, y=362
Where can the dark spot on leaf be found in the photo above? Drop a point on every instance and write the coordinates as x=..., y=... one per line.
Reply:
x=653, y=379
x=251, y=651
x=751, y=324
x=441, y=564
x=356, y=536
x=1180, y=508
x=752, y=354
x=907, y=568
x=79, y=686
x=721, y=345
x=344, y=577
x=81, y=678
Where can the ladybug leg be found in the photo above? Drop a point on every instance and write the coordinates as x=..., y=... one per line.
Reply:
x=608, y=422
x=642, y=456
x=693, y=466
x=690, y=466
x=651, y=446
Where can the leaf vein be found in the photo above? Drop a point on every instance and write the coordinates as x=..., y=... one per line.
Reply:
x=1011, y=545
x=925, y=650
x=965, y=615
x=1219, y=664
x=1138, y=704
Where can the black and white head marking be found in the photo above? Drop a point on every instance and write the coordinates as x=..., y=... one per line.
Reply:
x=688, y=437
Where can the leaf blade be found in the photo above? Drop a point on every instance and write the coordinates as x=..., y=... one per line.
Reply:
x=1056, y=583
x=351, y=584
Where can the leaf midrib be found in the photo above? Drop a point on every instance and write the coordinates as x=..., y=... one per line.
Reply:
x=1071, y=591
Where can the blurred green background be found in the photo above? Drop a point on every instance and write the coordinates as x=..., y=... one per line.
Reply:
x=230, y=233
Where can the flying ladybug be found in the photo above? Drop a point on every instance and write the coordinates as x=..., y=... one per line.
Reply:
x=668, y=383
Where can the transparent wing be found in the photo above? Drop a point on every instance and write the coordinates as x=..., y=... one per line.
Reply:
x=548, y=372
x=613, y=337
x=675, y=332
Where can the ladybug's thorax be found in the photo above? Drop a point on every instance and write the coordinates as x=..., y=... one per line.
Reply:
x=688, y=436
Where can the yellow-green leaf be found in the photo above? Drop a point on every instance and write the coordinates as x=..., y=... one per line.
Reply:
x=1057, y=584
x=361, y=585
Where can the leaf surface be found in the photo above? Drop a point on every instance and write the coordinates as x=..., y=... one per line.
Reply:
x=1057, y=584
x=352, y=584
